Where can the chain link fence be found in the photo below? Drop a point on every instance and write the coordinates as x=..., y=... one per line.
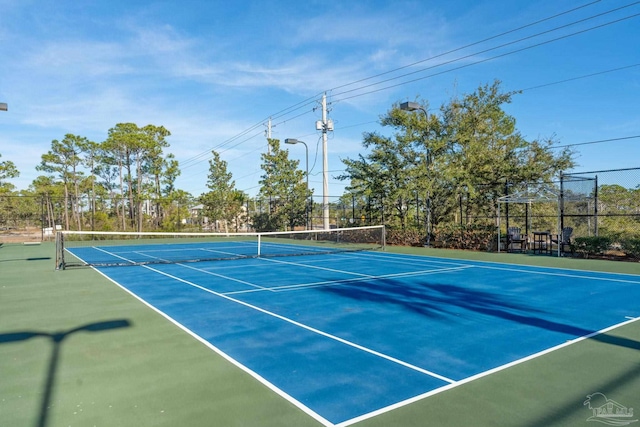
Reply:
x=36, y=218
x=599, y=203
x=602, y=203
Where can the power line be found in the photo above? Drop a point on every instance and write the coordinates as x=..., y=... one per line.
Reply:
x=313, y=99
x=479, y=61
x=196, y=158
x=580, y=77
x=597, y=142
x=466, y=46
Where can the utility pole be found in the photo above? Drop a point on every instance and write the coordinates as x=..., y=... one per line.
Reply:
x=325, y=125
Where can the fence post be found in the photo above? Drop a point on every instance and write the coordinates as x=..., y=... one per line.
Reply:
x=561, y=201
x=595, y=208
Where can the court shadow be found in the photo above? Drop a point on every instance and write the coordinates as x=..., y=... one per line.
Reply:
x=57, y=339
x=428, y=298
x=27, y=259
x=446, y=300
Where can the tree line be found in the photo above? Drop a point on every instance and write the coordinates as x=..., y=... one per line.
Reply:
x=433, y=167
x=116, y=183
x=458, y=159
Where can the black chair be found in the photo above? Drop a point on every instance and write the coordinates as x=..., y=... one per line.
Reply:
x=515, y=238
x=563, y=240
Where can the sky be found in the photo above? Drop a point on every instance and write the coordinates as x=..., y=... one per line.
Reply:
x=213, y=72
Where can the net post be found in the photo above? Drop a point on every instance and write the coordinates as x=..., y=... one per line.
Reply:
x=59, y=250
x=384, y=237
x=259, y=244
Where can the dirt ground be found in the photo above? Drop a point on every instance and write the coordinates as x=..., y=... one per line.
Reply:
x=23, y=235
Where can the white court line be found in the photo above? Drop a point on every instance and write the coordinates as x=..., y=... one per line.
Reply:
x=261, y=288
x=484, y=374
x=244, y=282
x=328, y=283
x=452, y=383
x=225, y=356
x=402, y=258
x=307, y=327
x=301, y=325
x=316, y=267
x=483, y=263
x=293, y=248
x=113, y=254
x=553, y=272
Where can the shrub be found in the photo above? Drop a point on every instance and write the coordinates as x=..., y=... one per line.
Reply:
x=593, y=245
x=408, y=237
x=631, y=247
x=475, y=237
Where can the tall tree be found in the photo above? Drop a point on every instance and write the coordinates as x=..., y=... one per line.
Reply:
x=150, y=162
x=50, y=192
x=218, y=202
x=171, y=171
x=117, y=152
x=471, y=147
x=283, y=185
x=176, y=209
x=400, y=168
x=64, y=160
x=8, y=170
x=90, y=151
x=138, y=154
x=488, y=152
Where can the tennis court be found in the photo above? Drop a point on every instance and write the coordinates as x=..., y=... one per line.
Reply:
x=347, y=336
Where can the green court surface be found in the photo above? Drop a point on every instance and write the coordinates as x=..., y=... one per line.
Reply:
x=77, y=350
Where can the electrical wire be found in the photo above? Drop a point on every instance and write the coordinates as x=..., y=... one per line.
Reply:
x=467, y=45
x=599, y=73
x=597, y=142
x=313, y=99
x=476, y=62
x=336, y=96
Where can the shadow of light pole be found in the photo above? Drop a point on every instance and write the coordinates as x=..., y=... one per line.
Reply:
x=57, y=338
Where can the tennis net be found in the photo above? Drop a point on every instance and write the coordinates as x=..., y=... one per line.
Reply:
x=95, y=248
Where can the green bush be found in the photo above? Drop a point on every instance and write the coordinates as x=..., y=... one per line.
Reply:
x=474, y=237
x=589, y=246
x=408, y=237
x=631, y=247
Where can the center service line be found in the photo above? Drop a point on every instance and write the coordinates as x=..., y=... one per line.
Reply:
x=309, y=328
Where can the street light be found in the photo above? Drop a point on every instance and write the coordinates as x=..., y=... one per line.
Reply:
x=293, y=141
x=414, y=106
x=3, y=106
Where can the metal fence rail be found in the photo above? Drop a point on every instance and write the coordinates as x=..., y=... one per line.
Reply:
x=603, y=203
x=598, y=203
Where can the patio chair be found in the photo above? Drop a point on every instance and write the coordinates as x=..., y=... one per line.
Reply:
x=515, y=238
x=563, y=240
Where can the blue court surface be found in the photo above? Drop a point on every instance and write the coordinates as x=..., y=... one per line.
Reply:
x=350, y=335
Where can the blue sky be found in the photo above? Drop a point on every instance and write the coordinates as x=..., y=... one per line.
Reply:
x=212, y=72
